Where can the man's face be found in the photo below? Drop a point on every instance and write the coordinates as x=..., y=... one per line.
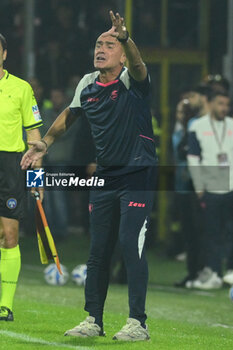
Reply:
x=195, y=100
x=3, y=55
x=108, y=53
x=180, y=112
x=220, y=107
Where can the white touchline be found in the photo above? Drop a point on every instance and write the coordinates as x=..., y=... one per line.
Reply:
x=28, y=339
x=222, y=325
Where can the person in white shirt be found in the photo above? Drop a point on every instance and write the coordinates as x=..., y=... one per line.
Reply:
x=210, y=160
x=190, y=211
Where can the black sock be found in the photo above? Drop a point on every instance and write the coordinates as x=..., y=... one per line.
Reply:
x=98, y=320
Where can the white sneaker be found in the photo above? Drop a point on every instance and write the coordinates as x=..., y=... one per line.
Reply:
x=181, y=257
x=228, y=277
x=87, y=328
x=132, y=331
x=207, y=279
x=189, y=284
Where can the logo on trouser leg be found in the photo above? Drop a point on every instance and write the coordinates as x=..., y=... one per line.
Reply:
x=142, y=237
x=90, y=207
x=134, y=204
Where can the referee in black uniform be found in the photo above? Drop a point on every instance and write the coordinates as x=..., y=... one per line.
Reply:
x=115, y=102
x=18, y=109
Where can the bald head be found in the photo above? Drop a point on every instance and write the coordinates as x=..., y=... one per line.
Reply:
x=109, y=38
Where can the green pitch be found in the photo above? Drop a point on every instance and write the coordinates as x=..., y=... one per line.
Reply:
x=177, y=319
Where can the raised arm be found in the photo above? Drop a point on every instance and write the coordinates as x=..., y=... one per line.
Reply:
x=137, y=68
x=39, y=148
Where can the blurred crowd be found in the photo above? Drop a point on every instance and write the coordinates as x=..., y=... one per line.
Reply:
x=65, y=34
x=203, y=153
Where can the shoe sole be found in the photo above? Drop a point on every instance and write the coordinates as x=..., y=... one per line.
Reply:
x=131, y=339
x=207, y=288
x=80, y=335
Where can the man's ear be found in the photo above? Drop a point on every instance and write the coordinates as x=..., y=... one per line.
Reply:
x=123, y=58
x=4, y=55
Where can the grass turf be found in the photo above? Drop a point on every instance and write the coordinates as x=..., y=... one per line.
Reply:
x=177, y=319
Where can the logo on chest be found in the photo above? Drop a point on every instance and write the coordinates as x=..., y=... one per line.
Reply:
x=114, y=95
x=92, y=99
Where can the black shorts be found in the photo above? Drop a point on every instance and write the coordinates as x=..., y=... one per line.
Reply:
x=12, y=189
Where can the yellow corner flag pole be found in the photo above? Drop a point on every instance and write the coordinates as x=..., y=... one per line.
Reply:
x=46, y=243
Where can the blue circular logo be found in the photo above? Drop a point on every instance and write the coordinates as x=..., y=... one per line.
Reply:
x=11, y=203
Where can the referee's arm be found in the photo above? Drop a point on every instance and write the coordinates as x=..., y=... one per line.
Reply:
x=34, y=135
x=39, y=148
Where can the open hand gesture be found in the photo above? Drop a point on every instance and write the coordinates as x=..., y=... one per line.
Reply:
x=118, y=29
x=37, y=151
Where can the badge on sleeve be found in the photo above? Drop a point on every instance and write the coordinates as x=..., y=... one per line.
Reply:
x=36, y=113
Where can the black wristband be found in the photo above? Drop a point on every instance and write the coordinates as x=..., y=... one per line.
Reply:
x=44, y=143
x=124, y=40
